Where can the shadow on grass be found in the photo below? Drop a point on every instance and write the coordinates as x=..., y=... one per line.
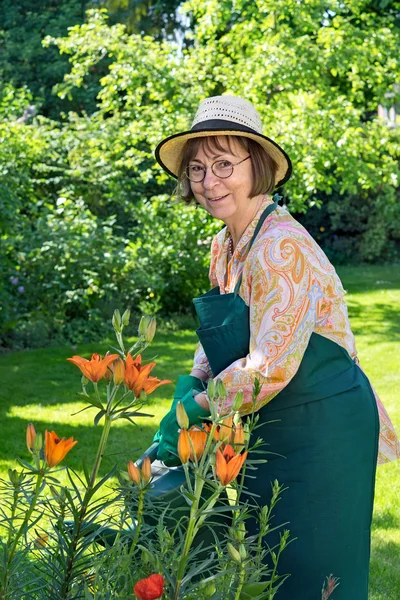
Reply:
x=44, y=378
x=385, y=520
x=382, y=321
x=384, y=570
x=125, y=442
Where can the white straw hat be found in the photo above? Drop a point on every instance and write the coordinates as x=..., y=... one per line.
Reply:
x=223, y=115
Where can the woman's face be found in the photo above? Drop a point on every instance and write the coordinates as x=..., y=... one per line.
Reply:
x=226, y=199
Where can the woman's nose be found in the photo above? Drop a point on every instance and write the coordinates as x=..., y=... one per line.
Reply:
x=210, y=179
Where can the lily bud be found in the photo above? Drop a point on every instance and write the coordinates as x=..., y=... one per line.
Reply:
x=142, y=396
x=242, y=552
x=225, y=430
x=143, y=324
x=238, y=400
x=13, y=476
x=150, y=331
x=238, y=438
x=30, y=436
x=38, y=444
x=146, y=470
x=220, y=389
x=240, y=531
x=184, y=446
x=125, y=317
x=133, y=472
x=118, y=371
x=246, y=430
x=233, y=553
x=211, y=389
x=116, y=321
x=84, y=380
x=181, y=416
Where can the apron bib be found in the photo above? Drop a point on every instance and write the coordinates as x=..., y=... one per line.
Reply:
x=322, y=435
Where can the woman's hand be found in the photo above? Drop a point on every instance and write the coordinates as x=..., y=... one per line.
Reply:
x=202, y=400
x=200, y=374
x=169, y=427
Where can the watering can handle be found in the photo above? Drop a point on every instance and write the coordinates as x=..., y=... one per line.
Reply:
x=150, y=452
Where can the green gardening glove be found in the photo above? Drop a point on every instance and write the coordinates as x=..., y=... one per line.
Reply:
x=169, y=428
x=184, y=384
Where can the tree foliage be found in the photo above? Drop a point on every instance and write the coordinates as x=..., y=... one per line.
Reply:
x=93, y=207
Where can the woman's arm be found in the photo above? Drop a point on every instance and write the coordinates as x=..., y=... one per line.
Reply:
x=283, y=295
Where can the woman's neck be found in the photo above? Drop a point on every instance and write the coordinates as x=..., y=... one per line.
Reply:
x=239, y=223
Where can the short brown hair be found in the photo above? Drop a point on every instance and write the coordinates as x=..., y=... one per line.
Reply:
x=263, y=165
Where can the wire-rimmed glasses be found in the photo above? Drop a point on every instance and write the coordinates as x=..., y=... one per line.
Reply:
x=221, y=168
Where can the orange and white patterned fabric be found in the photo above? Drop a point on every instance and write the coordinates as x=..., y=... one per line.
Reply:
x=292, y=290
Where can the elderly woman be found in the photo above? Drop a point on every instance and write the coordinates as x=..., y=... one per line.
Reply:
x=276, y=312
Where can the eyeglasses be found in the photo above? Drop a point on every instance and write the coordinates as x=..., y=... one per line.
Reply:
x=220, y=168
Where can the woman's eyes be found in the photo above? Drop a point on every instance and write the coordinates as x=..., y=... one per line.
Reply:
x=220, y=163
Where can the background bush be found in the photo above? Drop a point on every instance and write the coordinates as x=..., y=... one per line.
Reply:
x=88, y=221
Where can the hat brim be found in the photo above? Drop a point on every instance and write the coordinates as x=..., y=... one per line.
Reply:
x=169, y=151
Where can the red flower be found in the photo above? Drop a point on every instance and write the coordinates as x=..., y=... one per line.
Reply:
x=150, y=588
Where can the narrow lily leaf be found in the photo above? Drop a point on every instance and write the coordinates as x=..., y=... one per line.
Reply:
x=27, y=465
x=82, y=409
x=86, y=470
x=105, y=478
x=99, y=416
x=253, y=590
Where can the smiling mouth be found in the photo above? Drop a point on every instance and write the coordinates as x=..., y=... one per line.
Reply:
x=217, y=199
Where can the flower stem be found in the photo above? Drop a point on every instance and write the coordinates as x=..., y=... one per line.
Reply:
x=242, y=574
x=85, y=503
x=139, y=520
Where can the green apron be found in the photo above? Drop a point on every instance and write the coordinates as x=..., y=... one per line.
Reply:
x=322, y=445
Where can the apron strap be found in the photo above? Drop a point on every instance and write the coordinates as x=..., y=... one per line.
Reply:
x=265, y=214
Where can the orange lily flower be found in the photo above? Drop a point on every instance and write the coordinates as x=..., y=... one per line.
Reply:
x=191, y=444
x=137, y=377
x=150, y=588
x=228, y=464
x=30, y=436
x=55, y=449
x=95, y=368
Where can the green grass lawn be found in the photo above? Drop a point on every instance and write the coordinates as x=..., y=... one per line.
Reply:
x=40, y=386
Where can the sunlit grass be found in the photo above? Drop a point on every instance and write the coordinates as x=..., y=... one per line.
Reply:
x=40, y=386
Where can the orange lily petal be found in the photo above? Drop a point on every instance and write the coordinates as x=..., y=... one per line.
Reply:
x=95, y=368
x=55, y=449
x=234, y=466
x=198, y=440
x=228, y=464
x=137, y=377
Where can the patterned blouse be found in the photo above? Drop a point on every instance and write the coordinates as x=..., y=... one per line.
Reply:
x=292, y=291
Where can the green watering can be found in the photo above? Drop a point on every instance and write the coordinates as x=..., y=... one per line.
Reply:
x=165, y=488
